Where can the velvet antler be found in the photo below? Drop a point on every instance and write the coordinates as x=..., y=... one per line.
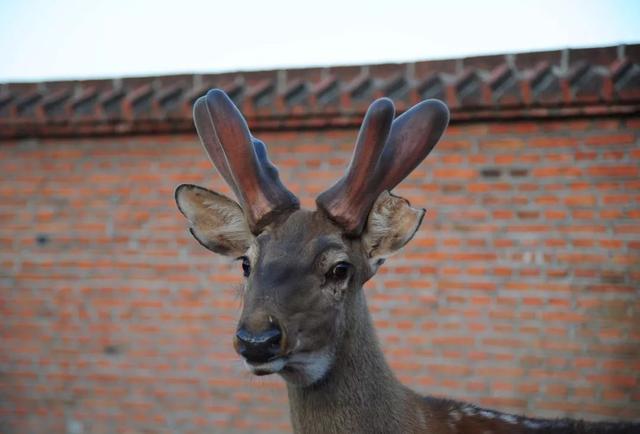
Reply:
x=241, y=160
x=383, y=158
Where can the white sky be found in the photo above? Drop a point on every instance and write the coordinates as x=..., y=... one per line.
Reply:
x=48, y=39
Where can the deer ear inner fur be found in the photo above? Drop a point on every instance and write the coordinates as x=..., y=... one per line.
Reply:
x=216, y=222
x=391, y=224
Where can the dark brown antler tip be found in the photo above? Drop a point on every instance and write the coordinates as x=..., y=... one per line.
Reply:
x=381, y=109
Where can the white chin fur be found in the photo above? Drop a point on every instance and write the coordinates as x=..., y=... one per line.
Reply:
x=305, y=369
x=300, y=369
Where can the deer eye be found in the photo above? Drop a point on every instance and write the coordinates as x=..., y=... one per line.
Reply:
x=340, y=271
x=246, y=266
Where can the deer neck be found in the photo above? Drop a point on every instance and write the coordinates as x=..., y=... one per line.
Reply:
x=360, y=392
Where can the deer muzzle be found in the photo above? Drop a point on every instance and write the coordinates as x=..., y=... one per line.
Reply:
x=260, y=343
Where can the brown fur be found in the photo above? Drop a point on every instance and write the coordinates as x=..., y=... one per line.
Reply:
x=345, y=386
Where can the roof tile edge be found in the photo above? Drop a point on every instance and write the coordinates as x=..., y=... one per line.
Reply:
x=596, y=81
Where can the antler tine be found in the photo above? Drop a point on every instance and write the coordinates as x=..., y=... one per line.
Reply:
x=387, y=158
x=210, y=142
x=241, y=160
x=413, y=136
x=350, y=199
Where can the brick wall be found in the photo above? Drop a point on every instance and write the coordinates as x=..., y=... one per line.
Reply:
x=520, y=292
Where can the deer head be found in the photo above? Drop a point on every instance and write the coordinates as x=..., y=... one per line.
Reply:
x=304, y=269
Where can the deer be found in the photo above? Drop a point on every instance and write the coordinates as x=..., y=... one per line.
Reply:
x=304, y=311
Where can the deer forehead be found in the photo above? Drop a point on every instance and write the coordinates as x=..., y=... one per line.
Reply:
x=303, y=239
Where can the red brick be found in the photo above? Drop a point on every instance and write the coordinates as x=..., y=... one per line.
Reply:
x=454, y=173
x=553, y=142
x=557, y=172
x=613, y=171
x=611, y=139
x=510, y=144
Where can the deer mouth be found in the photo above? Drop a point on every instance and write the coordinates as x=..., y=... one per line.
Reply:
x=271, y=367
x=302, y=368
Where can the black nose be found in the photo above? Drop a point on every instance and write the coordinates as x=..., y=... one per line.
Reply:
x=258, y=347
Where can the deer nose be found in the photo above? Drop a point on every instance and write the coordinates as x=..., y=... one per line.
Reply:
x=258, y=347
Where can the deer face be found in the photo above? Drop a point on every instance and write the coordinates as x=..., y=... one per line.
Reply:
x=301, y=275
x=303, y=268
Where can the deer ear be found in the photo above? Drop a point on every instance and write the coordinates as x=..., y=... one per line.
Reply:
x=391, y=224
x=216, y=221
